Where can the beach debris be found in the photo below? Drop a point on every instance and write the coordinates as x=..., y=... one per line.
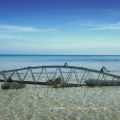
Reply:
x=5, y=85
x=12, y=85
x=96, y=82
x=57, y=82
x=104, y=69
x=50, y=82
x=66, y=64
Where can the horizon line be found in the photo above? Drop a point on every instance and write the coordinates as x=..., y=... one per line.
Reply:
x=59, y=54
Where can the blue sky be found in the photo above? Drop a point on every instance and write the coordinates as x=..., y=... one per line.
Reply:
x=60, y=27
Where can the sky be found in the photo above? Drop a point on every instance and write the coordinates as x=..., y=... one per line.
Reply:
x=77, y=27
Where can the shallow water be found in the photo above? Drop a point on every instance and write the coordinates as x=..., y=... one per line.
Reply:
x=42, y=103
x=47, y=103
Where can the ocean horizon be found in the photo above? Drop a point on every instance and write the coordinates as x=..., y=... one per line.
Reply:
x=11, y=61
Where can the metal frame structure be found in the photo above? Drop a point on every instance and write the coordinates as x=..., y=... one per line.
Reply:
x=70, y=75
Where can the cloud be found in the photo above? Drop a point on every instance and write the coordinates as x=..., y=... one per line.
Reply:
x=18, y=28
x=107, y=27
x=13, y=28
x=92, y=25
x=16, y=32
x=49, y=29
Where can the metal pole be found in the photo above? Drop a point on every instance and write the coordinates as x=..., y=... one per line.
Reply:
x=46, y=74
x=61, y=75
x=19, y=77
x=69, y=75
x=40, y=75
x=32, y=75
x=82, y=77
x=4, y=76
x=25, y=74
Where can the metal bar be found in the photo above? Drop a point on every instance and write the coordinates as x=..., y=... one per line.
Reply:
x=86, y=75
x=61, y=75
x=19, y=77
x=25, y=74
x=82, y=77
x=40, y=75
x=89, y=75
x=46, y=74
x=4, y=76
x=54, y=74
x=76, y=76
x=12, y=74
x=69, y=75
x=41, y=83
x=33, y=75
x=103, y=77
x=98, y=76
x=46, y=83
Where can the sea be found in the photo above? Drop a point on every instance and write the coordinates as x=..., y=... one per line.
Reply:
x=111, y=62
x=48, y=103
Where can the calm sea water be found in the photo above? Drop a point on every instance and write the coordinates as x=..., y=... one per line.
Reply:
x=47, y=103
x=112, y=62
